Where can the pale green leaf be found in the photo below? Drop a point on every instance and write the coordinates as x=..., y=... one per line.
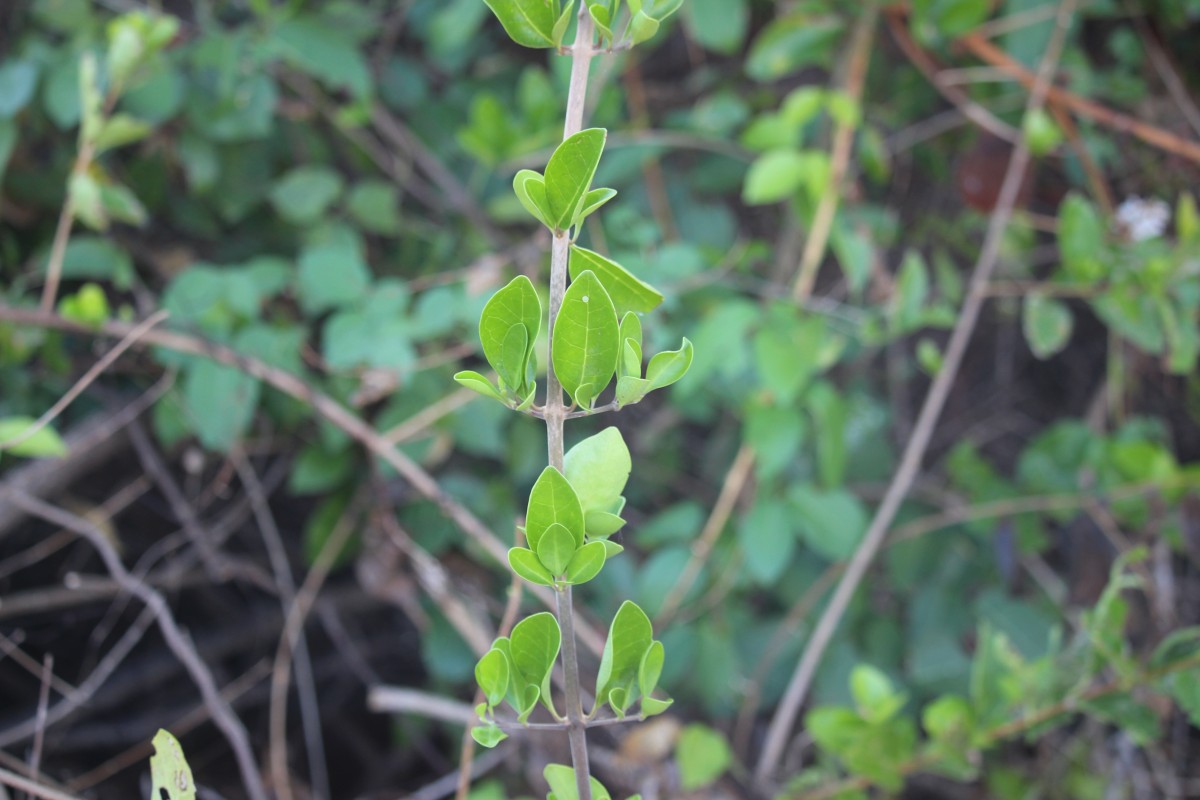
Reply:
x=118, y=130
x=586, y=563
x=628, y=638
x=488, y=735
x=555, y=548
x=515, y=304
x=775, y=175
x=650, y=669
x=569, y=176
x=530, y=189
x=611, y=549
x=170, y=775
x=526, y=564
x=601, y=524
x=491, y=673
x=668, y=367
x=477, y=383
x=586, y=340
x=594, y=200
x=46, y=443
x=552, y=500
x=598, y=468
x=627, y=292
x=533, y=647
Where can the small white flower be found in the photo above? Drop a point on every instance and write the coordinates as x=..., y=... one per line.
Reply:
x=1142, y=219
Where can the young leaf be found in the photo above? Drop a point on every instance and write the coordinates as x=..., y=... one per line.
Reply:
x=601, y=524
x=652, y=706
x=631, y=346
x=1081, y=239
x=611, y=549
x=477, y=383
x=628, y=638
x=170, y=775
x=651, y=668
x=526, y=564
x=586, y=563
x=530, y=189
x=534, y=645
x=529, y=23
x=585, y=340
x=515, y=304
x=491, y=673
x=488, y=735
x=556, y=548
x=552, y=500
x=627, y=292
x=666, y=368
x=512, y=360
x=569, y=176
x=598, y=469
x=594, y=200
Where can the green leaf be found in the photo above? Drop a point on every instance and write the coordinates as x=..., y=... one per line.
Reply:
x=832, y=523
x=1047, y=324
x=791, y=42
x=529, y=23
x=872, y=691
x=594, y=200
x=586, y=562
x=586, y=340
x=601, y=524
x=88, y=306
x=170, y=775
x=1184, y=687
x=533, y=646
x=611, y=549
x=628, y=638
x=948, y=718
x=569, y=176
x=598, y=469
x=556, y=548
x=562, y=784
x=530, y=189
x=304, y=194
x=332, y=271
x=374, y=206
x=703, y=756
x=652, y=706
x=477, y=383
x=642, y=27
x=775, y=175
x=46, y=443
x=18, y=79
x=627, y=292
x=905, y=310
x=829, y=410
x=526, y=564
x=491, y=673
x=718, y=25
x=631, y=346
x=1081, y=239
x=488, y=735
x=665, y=369
x=118, y=130
x=650, y=669
x=221, y=401
x=767, y=541
x=121, y=204
x=310, y=44
x=516, y=305
x=552, y=501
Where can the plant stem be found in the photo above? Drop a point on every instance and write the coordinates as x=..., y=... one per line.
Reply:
x=555, y=414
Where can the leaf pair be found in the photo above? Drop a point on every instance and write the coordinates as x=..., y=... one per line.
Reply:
x=664, y=368
x=533, y=23
x=554, y=531
x=563, y=197
x=631, y=664
x=508, y=330
x=562, y=785
x=645, y=18
x=517, y=669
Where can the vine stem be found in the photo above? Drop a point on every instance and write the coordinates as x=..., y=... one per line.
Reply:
x=555, y=412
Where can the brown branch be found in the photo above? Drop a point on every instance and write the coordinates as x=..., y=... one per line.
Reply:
x=781, y=723
x=1122, y=123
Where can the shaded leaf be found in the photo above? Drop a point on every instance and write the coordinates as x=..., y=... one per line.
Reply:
x=585, y=340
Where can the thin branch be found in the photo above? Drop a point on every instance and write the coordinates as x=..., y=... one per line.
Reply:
x=781, y=724
x=731, y=489
x=843, y=143
x=306, y=686
x=177, y=641
x=32, y=787
x=86, y=380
